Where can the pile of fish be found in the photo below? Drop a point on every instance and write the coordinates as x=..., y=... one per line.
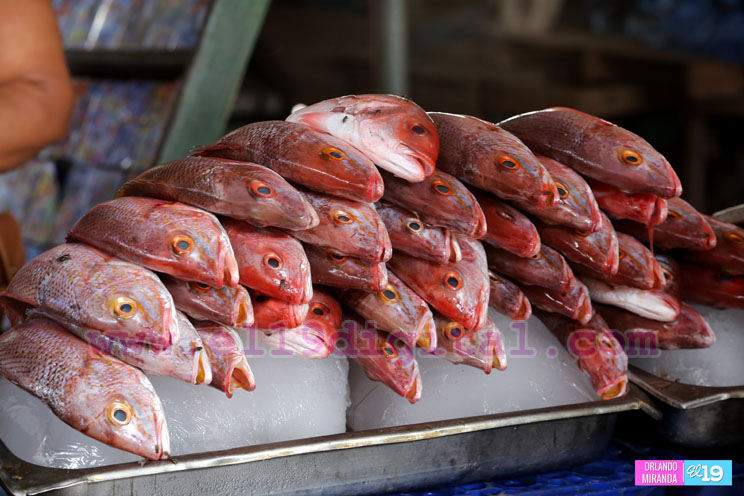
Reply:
x=357, y=227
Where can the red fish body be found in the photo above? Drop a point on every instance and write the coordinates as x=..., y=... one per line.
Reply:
x=457, y=290
x=652, y=304
x=271, y=262
x=649, y=210
x=241, y=190
x=547, y=268
x=482, y=348
x=349, y=227
x=169, y=237
x=597, y=250
x=711, y=287
x=81, y=286
x=596, y=350
x=575, y=206
x=395, y=133
x=727, y=255
x=315, y=160
x=486, y=156
x=440, y=200
x=330, y=268
x=506, y=298
x=397, y=310
x=91, y=391
x=230, y=370
x=688, y=331
x=597, y=149
x=227, y=306
x=273, y=314
x=574, y=302
x=637, y=266
x=383, y=357
x=684, y=228
x=508, y=228
x=411, y=235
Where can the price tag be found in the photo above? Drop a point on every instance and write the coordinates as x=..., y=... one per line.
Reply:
x=708, y=472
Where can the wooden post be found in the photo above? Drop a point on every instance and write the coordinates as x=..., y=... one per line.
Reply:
x=213, y=80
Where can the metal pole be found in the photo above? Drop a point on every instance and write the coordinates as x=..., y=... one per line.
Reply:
x=394, y=46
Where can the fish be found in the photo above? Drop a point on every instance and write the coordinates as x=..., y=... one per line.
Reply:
x=185, y=360
x=688, y=331
x=574, y=302
x=506, y=298
x=684, y=227
x=397, y=310
x=230, y=369
x=597, y=250
x=456, y=290
x=411, y=235
x=488, y=157
x=637, y=267
x=482, y=348
x=331, y=268
x=270, y=261
x=727, y=255
x=597, y=149
x=169, y=237
x=82, y=286
x=597, y=352
x=227, y=306
x=383, y=357
x=316, y=337
x=274, y=314
x=508, y=228
x=711, y=287
x=315, y=160
x=671, y=271
x=91, y=391
x=547, y=268
x=241, y=190
x=350, y=228
x=575, y=206
x=441, y=200
x=647, y=209
x=395, y=133
x=651, y=304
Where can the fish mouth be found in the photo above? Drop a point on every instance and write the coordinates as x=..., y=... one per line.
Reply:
x=376, y=188
x=616, y=389
x=231, y=276
x=301, y=222
x=549, y=196
x=203, y=373
x=659, y=280
x=525, y=309
x=675, y=188
x=455, y=251
x=427, y=340
x=585, y=312
x=379, y=277
x=170, y=325
x=162, y=448
x=245, y=316
x=426, y=163
x=659, y=215
x=386, y=248
x=414, y=393
x=240, y=376
x=480, y=228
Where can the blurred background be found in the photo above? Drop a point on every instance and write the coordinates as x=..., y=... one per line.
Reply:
x=157, y=78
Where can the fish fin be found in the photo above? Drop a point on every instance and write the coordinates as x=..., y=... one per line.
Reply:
x=212, y=150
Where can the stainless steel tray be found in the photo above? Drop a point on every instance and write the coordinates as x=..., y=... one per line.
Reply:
x=695, y=416
x=374, y=461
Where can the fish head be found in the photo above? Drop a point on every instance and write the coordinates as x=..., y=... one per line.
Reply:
x=315, y=338
x=125, y=300
x=349, y=271
x=633, y=158
x=575, y=199
x=359, y=224
x=191, y=359
x=684, y=221
x=326, y=309
x=637, y=262
x=730, y=239
x=602, y=357
x=455, y=201
x=127, y=414
x=275, y=314
x=482, y=348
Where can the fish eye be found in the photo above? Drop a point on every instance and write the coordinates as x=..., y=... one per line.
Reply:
x=389, y=350
x=389, y=294
x=735, y=238
x=273, y=260
x=319, y=309
x=343, y=217
x=333, y=153
x=453, y=280
x=454, y=331
x=667, y=274
x=581, y=233
x=441, y=188
x=199, y=286
x=630, y=157
x=119, y=413
x=536, y=256
x=125, y=307
x=507, y=162
x=182, y=245
x=262, y=189
x=413, y=225
x=507, y=215
x=562, y=190
x=620, y=253
x=260, y=298
x=337, y=257
x=63, y=258
x=672, y=215
x=419, y=129
x=492, y=277
x=605, y=342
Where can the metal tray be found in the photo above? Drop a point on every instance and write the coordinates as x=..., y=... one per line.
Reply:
x=694, y=416
x=374, y=461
